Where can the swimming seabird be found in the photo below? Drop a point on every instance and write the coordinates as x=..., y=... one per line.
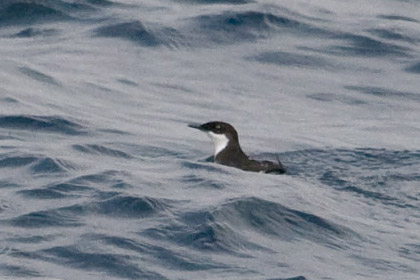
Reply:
x=227, y=150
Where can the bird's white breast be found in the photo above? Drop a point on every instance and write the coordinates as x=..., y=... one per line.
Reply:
x=220, y=142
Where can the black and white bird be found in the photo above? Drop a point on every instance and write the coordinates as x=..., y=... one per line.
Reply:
x=227, y=150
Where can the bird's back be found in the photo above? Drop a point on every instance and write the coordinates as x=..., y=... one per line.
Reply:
x=237, y=158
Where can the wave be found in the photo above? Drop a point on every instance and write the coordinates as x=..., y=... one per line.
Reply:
x=133, y=31
x=37, y=164
x=19, y=12
x=232, y=2
x=51, y=165
x=23, y=12
x=206, y=235
x=220, y=229
x=229, y=27
x=52, y=124
x=118, y=265
x=16, y=161
x=119, y=207
x=279, y=221
x=136, y=32
x=163, y=256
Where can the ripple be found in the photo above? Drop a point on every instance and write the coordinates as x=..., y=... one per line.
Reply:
x=38, y=76
x=119, y=206
x=410, y=251
x=375, y=174
x=9, y=100
x=291, y=59
x=35, y=239
x=203, y=166
x=100, y=150
x=88, y=4
x=18, y=271
x=391, y=34
x=385, y=199
x=292, y=278
x=48, y=218
x=397, y=17
x=197, y=181
x=7, y=184
x=41, y=124
x=415, y=68
x=334, y=97
x=36, y=32
x=128, y=82
x=318, y=161
x=110, y=178
x=360, y=45
x=126, y=206
x=383, y=92
x=57, y=191
x=42, y=194
x=147, y=151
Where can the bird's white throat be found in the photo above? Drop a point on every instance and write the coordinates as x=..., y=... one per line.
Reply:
x=220, y=142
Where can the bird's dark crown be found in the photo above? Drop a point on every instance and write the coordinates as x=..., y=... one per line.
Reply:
x=218, y=127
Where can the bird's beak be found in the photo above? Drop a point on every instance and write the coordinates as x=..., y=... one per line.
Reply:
x=197, y=126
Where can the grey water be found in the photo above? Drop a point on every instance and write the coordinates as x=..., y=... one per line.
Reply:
x=100, y=177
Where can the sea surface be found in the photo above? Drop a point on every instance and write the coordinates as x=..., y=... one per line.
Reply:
x=101, y=178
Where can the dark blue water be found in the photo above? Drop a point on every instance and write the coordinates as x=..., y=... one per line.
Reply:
x=101, y=178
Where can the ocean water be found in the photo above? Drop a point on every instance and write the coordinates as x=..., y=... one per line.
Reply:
x=100, y=177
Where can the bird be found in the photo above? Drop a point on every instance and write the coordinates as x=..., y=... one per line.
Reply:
x=227, y=150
